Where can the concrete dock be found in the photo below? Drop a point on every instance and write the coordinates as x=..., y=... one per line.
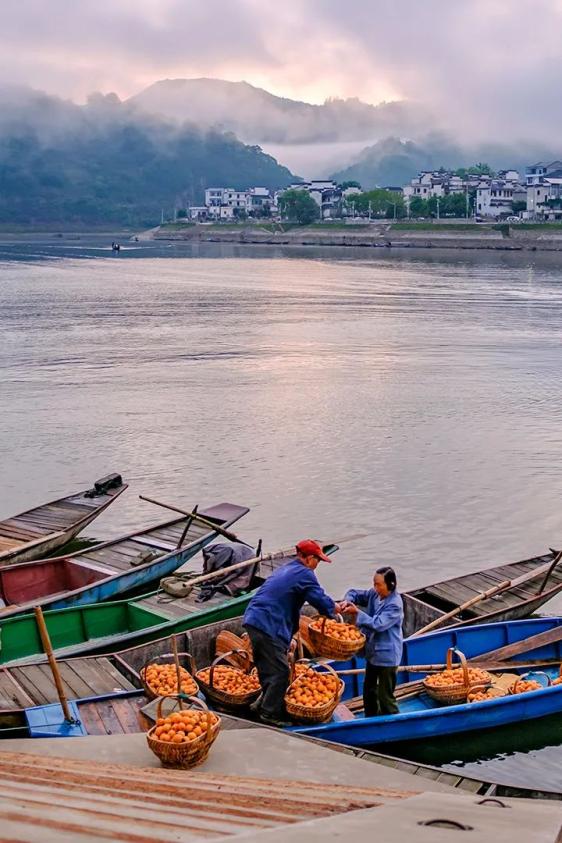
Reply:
x=257, y=784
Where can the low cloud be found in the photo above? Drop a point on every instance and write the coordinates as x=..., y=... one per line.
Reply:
x=484, y=69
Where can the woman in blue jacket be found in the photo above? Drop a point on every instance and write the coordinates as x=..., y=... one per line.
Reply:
x=379, y=615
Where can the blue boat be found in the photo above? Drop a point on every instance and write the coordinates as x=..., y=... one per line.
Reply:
x=420, y=717
x=108, y=570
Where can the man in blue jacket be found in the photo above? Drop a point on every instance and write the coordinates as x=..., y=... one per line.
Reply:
x=272, y=618
x=379, y=615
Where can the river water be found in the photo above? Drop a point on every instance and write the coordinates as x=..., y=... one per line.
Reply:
x=413, y=398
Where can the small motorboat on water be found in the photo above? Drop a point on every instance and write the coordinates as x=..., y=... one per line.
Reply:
x=41, y=530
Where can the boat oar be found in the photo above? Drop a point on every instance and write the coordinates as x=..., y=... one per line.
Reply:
x=194, y=515
x=176, y=662
x=220, y=572
x=47, y=646
x=486, y=595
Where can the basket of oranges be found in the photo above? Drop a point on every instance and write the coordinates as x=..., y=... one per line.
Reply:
x=313, y=694
x=481, y=693
x=523, y=684
x=334, y=639
x=159, y=677
x=452, y=685
x=228, y=686
x=184, y=738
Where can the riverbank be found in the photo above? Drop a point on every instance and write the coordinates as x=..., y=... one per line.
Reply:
x=385, y=236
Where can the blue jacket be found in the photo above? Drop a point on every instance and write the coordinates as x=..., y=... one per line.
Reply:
x=276, y=606
x=381, y=621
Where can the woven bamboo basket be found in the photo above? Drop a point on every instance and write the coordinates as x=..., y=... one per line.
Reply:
x=332, y=648
x=310, y=714
x=513, y=689
x=185, y=755
x=223, y=698
x=491, y=693
x=169, y=658
x=457, y=693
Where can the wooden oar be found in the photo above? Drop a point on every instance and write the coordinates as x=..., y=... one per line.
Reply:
x=279, y=554
x=551, y=636
x=491, y=592
x=47, y=646
x=435, y=668
x=194, y=515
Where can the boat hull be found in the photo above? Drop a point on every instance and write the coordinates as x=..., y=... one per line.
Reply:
x=416, y=722
x=18, y=579
x=51, y=540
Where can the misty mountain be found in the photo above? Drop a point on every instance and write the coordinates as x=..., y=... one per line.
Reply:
x=394, y=162
x=105, y=162
x=256, y=116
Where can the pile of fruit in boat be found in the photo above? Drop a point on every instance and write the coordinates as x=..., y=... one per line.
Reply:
x=524, y=685
x=231, y=680
x=340, y=631
x=162, y=679
x=481, y=694
x=557, y=681
x=456, y=677
x=312, y=688
x=183, y=726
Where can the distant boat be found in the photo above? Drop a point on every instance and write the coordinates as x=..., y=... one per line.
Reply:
x=41, y=530
x=134, y=561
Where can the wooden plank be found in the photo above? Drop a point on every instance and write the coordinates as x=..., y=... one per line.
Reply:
x=9, y=544
x=116, y=676
x=12, y=694
x=104, y=679
x=77, y=686
x=91, y=719
x=20, y=532
x=33, y=682
x=106, y=714
x=127, y=714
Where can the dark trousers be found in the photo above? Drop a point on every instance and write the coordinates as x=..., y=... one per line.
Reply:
x=270, y=659
x=378, y=690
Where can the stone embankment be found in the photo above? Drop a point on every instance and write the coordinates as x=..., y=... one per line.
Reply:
x=374, y=236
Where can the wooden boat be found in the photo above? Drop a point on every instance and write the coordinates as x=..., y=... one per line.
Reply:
x=421, y=718
x=425, y=605
x=102, y=690
x=99, y=573
x=105, y=628
x=41, y=530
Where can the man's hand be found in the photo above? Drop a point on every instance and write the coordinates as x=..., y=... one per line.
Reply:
x=351, y=609
x=341, y=607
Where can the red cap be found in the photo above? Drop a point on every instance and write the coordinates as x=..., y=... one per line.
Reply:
x=308, y=547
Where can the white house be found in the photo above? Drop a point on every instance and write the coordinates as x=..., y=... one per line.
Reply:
x=495, y=198
x=536, y=173
x=227, y=203
x=325, y=193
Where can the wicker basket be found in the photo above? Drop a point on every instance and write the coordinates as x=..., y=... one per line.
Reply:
x=318, y=714
x=223, y=698
x=531, y=674
x=168, y=658
x=332, y=648
x=458, y=693
x=491, y=693
x=185, y=755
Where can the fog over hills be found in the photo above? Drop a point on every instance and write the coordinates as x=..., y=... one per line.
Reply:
x=375, y=144
x=107, y=161
x=256, y=116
